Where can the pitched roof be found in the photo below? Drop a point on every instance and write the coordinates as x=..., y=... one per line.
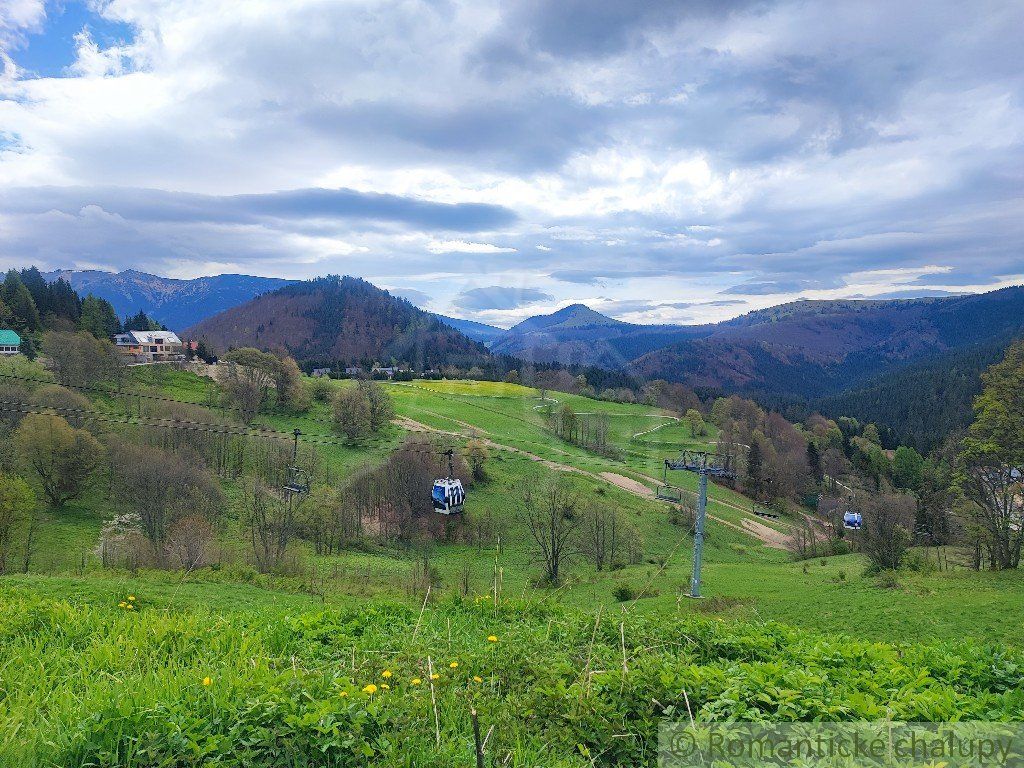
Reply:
x=149, y=337
x=9, y=339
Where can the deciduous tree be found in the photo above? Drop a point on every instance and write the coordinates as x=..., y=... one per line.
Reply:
x=551, y=518
x=62, y=458
x=993, y=455
x=17, y=503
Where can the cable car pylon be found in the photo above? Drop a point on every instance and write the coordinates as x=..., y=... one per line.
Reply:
x=703, y=463
x=298, y=478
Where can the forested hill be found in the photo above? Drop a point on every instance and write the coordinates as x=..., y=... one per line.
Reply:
x=922, y=404
x=339, y=320
x=814, y=349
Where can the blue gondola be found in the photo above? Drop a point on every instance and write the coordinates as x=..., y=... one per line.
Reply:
x=852, y=521
x=448, y=494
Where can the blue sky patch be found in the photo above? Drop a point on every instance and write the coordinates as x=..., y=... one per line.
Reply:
x=51, y=51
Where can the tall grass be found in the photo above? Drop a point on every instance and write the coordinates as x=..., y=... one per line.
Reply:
x=96, y=684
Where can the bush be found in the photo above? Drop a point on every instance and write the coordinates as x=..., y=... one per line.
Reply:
x=320, y=389
x=624, y=593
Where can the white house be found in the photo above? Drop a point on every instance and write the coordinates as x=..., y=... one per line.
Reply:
x=150, y=346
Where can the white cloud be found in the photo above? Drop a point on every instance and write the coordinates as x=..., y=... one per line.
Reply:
x=461, y=246
x=677, y=154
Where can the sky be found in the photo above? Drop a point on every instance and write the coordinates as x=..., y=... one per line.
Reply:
x=493, y=159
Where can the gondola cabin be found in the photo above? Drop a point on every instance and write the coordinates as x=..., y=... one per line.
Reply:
x=852, y=521
x=448, y=496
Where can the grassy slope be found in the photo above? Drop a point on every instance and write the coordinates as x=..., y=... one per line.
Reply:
x=81, y=679
x=744, y=578
x=243, y=681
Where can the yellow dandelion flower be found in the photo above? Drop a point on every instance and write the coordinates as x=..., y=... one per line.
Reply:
x=386, y=674
x=385, y=687
x=122, y=604
x=132, y=598
x=343, y=694
x=207, y=682
x=477, y=679
x=129, y=607
x=415, y=681
x=370, y=689
x=492, y=638
x=434, y=676
x=454, y=665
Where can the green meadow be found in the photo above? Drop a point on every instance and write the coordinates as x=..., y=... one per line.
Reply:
x=228, y=666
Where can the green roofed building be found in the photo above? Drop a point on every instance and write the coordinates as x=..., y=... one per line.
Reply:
x=9, y=342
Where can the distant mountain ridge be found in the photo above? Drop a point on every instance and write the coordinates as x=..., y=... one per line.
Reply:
x=813, y=349
x=579, y=335
x=346, y=320
x=177, y=304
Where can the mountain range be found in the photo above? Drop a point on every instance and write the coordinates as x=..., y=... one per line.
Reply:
x=177, y=304
x=912, y=363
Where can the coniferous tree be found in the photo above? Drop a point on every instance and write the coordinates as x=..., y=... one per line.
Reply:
x=17, y=297
x=755, y=468
x=814, y=462
x=64, y=300
x=99, y=318
x=39, y=288
x=141, y=322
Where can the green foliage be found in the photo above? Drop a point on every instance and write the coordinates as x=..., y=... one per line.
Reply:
x=993, y=453
x=269, y=688
x=19, y=301
x=997, y=433
x=141, y=322
x=81, y=359
x=98, y=318
x=17, y=501
x=362, y=410
x=61, y=457
x=907, y=469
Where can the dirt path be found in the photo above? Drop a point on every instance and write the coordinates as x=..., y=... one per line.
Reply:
x=674, y=420
x=763, y=533
x=769, y=536
x=628, y=484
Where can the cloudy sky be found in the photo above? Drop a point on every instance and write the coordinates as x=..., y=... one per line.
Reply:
x=660, y=161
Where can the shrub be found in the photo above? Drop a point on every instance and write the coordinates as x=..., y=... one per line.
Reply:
x=624, y=593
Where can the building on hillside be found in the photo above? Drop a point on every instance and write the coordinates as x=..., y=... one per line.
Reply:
x=150, y=346
x=320, y=373
x=353, y=370
x=10, y=343
x=389, y=372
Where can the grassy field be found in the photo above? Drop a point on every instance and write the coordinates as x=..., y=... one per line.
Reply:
x=83, y=681
x=742, y=577
x=229, y=677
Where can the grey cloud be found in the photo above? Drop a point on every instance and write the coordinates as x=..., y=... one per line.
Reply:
x=841, y=138
x=781, y=285
x=598, y=275
x=499, y=297
x=590, y=28
x=155, y=205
